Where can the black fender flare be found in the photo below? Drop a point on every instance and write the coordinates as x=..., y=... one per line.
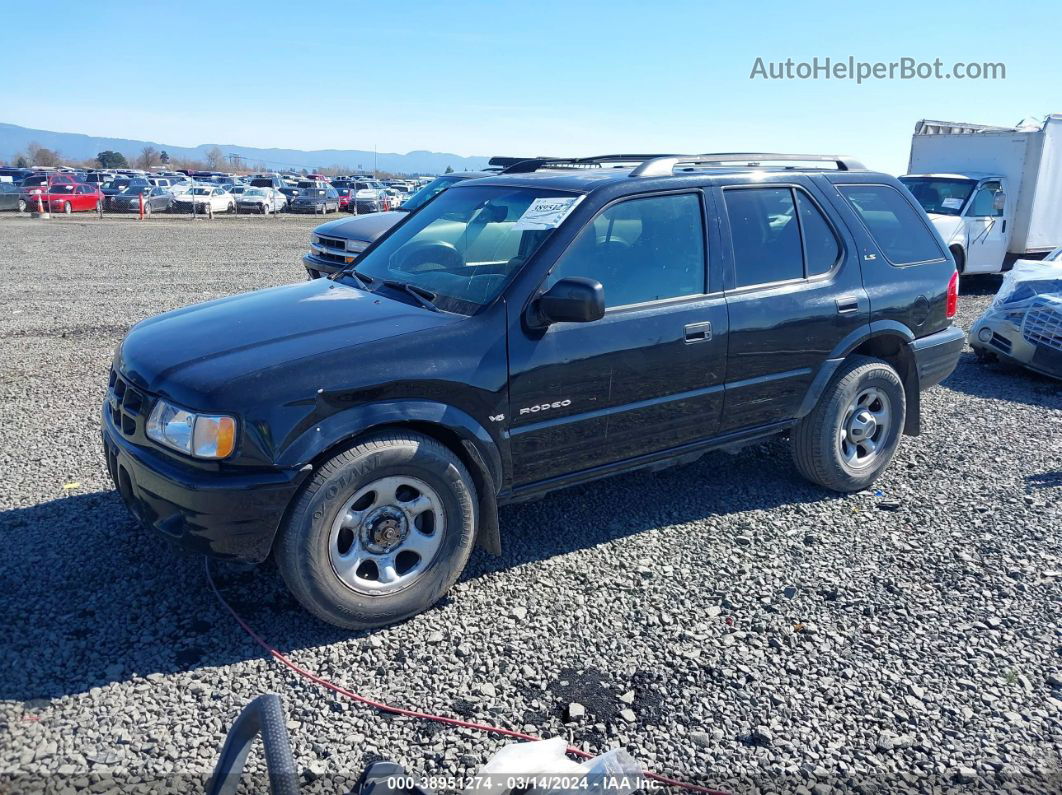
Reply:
x=879, y=329
x=450, y=424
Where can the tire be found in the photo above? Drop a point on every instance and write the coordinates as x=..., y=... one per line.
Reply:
x=960, y=258
x=68, y=208
x=22, y=205
x=265, y=209
x=147, y=210
x=831, y=445
x=232, y=207
x=354, y=483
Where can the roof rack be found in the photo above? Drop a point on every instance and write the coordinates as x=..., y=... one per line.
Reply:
x=665, y=165
x=660, y=165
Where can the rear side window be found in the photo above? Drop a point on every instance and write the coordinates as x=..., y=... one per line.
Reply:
x=820, y=243
x=893, y=223
x=641, y=250
x=765, y=235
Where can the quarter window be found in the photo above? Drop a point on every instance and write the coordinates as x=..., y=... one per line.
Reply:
x=641, y=250
x=893, y=223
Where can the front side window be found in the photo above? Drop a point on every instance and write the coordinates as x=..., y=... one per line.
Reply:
x=984, y=201
x=641, y=250
x=465, y=246
x=894, y=224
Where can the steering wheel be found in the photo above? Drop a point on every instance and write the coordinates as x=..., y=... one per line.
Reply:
x=437, y=255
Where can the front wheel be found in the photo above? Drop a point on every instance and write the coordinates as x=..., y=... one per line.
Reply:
x=850, y=436
x=22, y=205
x=68, y=208
x=381, y=532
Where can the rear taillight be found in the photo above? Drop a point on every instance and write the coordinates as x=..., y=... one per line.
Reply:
x=952, y=305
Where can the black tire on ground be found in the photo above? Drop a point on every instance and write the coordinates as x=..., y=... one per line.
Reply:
x=816, y=439
x=302, y=546
x=68, y=208
x=22, y=205
x=147, y=209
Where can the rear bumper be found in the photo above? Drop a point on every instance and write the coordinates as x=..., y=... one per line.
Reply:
x=936, y=355
x=233, y=516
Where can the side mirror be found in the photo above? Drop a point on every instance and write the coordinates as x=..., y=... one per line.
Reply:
x=572, y=300
x=999, y=201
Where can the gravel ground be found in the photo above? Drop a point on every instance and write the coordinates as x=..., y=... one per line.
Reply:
x=761, y=633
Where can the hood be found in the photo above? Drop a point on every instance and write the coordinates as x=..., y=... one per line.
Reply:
x=190, y=353
x=949, y=226
x=361, y=227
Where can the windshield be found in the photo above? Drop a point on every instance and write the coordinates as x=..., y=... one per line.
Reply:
x=254, y=192
x=202, y=191
x=312, y=192
x=1054, y=256
x=61, y=187
x=429, y=191
x=136, y=190
x=464, y=247
x=944, y=196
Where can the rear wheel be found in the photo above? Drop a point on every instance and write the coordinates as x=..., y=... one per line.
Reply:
x=264, y=209
x=850, y=436
x=381, y=532
x=68, y=208
x=147, y=209
x=22, y=205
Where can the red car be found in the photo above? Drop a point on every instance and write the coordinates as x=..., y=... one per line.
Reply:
x=40, y=185
x=63, y=197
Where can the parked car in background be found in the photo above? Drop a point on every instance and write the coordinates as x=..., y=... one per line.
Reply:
x=116, y=186
x=1023, y=325
x=335, y=244
x=274, y=181
x=261, y=200
x=10, y=198
x=993, y=193
x=344, y=196
x=290, y=192
x=205, y=198
x=156, y=200
x=322, y=199
x=64, y=197
x=40, y=184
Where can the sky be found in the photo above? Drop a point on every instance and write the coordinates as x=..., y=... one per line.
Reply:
x=520, y=78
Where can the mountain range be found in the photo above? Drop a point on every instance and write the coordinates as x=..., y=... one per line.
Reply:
x=75, y=146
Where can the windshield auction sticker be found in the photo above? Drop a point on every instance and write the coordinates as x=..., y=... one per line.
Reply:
x=546, y=213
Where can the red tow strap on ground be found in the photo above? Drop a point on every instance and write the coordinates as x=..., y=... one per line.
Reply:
x=410, y=713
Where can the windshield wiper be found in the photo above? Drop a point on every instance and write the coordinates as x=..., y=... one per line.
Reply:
x=361, y=277
x=425, y=298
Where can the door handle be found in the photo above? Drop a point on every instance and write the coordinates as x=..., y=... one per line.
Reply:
x=847, y=304
x=698, y=332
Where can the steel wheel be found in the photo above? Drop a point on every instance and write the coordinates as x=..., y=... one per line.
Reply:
x=864, y=427
x=387, y=535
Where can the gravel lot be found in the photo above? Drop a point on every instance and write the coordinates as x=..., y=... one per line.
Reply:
x=773, y=636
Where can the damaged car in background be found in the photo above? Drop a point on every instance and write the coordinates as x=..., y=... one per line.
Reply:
x=1023, y=324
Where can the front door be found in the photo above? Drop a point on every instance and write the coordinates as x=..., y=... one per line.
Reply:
x=646, y=377
x=986, y=230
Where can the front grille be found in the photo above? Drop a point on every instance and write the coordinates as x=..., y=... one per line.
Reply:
x=1043, y=323
x=126, y=404
x=332, y=242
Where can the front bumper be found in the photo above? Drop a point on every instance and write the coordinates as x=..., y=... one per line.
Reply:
x=936, y=355
x=1006, y=341
x=222, y=514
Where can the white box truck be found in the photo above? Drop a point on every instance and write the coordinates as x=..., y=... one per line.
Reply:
x=993, y=193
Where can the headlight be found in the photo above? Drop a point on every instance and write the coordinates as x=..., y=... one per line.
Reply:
x=356, y=246
x=199, y=435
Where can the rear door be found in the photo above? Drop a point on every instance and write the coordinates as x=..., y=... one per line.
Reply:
x=794, y=291
x=646, y=377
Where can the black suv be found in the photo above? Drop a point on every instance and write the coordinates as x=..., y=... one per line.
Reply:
x=522, y=333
